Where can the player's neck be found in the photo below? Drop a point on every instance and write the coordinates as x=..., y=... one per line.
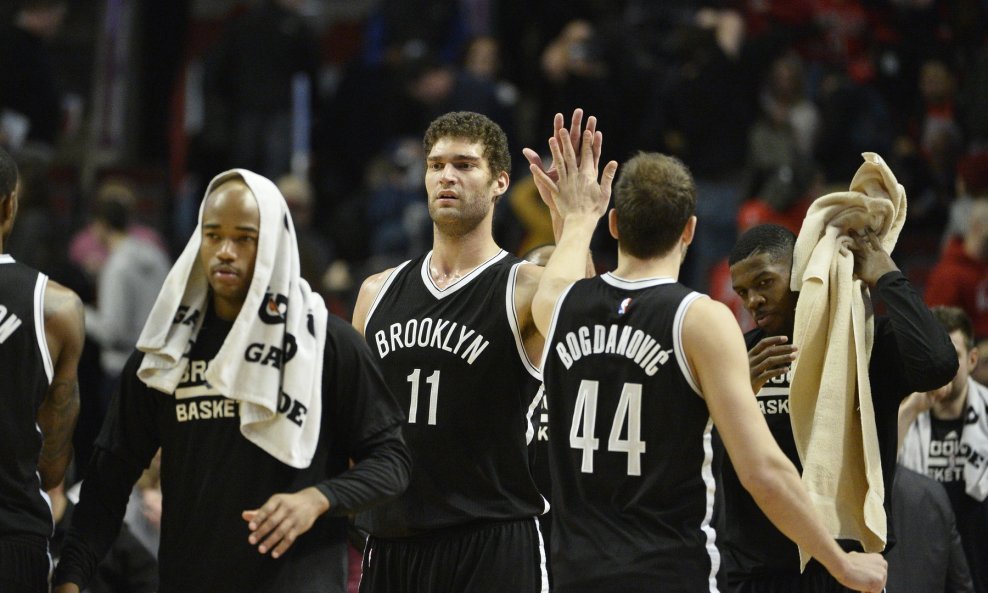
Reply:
x=634, y=268
x=455, y=257
x=951, y=410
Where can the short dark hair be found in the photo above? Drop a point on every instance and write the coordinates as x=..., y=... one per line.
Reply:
x=775, y=240
x=113, y=214
x=655, y=197
x=8, y=174
x=955, y=319
x=473, y=127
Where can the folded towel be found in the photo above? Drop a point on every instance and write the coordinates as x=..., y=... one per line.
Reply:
x=833, y=418
x=974, y=438
x=281, y=317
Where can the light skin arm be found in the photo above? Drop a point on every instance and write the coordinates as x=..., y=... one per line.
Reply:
x=715, y=350
x=913, y=406
x=581, y=199
x=65, y=333
x=365, y=298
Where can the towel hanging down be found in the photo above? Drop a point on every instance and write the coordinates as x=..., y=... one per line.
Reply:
x=281, y=317
x=833, y=417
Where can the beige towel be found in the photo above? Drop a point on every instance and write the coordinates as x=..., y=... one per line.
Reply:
x=833, y=418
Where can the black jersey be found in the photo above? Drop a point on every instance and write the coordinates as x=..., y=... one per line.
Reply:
x=210, y=473
x=629, y=438
x=752, y=545
x=455, y=360
x=25, y=375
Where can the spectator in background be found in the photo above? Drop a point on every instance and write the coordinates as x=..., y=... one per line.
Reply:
x=87, y=251
x=250, y=71
x=927, y=555
x=944, y=435
x=314, y=252
x=30, y=104
x=397, y=220
x=960, y=277
x=128, y=287
x=971, y=183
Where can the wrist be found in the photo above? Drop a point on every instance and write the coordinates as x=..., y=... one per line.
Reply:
x=318, y=499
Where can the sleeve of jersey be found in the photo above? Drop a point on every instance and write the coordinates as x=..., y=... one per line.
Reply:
x=365, y=417
x=912, y=346
x=127, y=442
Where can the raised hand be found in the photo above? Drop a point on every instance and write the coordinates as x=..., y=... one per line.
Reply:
x=575, y=140
x=576, y=189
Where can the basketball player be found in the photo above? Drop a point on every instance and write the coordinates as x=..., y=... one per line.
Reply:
x=454, y=335
x=41, y=336
x=236, y=519
x=635, y=367
x=911, y=352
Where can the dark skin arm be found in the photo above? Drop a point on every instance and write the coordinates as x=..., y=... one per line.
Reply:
x=65, y=332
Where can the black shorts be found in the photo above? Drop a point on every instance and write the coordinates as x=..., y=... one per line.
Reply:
x=815, y=579
x=24, y=564
x=488, y=557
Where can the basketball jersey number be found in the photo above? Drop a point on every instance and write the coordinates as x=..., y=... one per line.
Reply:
x=629, y=411
x=433, y=381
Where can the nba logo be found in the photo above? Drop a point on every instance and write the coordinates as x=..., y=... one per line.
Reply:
x=623, y=307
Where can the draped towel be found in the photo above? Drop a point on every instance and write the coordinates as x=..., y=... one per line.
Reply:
x=833, y=417
x=271, y=361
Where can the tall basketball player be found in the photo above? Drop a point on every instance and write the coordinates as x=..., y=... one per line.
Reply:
x=41, y=336
x=635, y=367
x=454, y=335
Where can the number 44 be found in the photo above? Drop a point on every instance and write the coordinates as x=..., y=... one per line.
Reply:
x=629, y=411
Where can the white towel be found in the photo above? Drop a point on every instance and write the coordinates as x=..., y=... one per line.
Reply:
x=280, y=312
x=832, y=414
x=974, y=437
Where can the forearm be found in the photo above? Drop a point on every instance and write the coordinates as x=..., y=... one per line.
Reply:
x=567, y=264
x=97, y=519
x=57, y=419
x=381, y=472
x=922, y=354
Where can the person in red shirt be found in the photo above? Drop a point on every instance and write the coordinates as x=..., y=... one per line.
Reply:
x=960, y=277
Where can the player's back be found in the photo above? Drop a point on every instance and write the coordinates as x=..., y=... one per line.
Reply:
x=629, y=441
x=25, y=374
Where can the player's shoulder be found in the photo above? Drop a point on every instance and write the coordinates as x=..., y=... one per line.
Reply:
x=62, y=303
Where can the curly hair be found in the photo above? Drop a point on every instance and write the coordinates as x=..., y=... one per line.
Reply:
x=775, y=240
x=473, y=127
x=654, y=197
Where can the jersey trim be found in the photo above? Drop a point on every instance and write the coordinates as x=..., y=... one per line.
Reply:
x=542, y=560
x=677, y=335
x=39, y=324
x=706, y=471
x=380, y=294
x=440, y=293
x=552, y=323
x=509, y=303
x=639, y=284
x=6, y=258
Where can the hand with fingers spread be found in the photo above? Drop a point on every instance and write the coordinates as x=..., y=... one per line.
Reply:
x=871, y=262
x=771, y=357
x=575, y=139
x=283, y=518
x=577, y=190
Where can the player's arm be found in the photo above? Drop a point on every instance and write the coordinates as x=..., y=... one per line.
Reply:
x=715, y=350
x=365, y=298
x=65, y=333
x=581, y=200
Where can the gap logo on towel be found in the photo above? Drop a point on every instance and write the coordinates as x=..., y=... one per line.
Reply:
x=274, y=308
x=186, y=315
x=269, y=355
